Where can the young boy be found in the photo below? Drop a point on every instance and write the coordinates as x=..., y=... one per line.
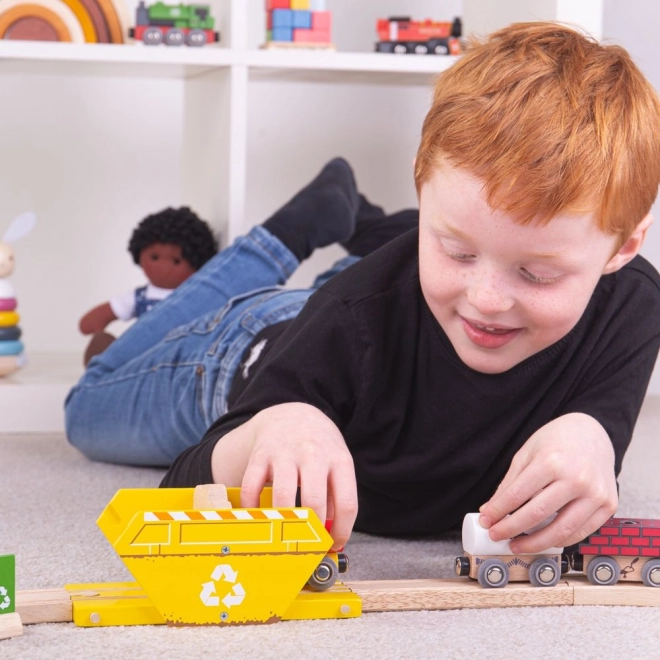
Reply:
x=498, y=360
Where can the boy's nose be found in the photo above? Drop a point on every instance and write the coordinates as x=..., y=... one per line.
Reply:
x=489, y=294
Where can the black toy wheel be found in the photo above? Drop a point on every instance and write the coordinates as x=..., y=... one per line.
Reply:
x=544, y=573
x=152, y=37
x=324, y=576
x=651, y=573
x=174, y=37
x=196, y=38
x=603, y=571
x=493, y=573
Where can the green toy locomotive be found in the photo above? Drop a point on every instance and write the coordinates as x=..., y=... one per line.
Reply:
x=174, y=25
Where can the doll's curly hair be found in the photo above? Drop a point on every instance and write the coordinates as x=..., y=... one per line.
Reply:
x=181, y=227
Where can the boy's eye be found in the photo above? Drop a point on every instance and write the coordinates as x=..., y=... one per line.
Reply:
x=537, y=279
x=177, y=262
x=457, y=255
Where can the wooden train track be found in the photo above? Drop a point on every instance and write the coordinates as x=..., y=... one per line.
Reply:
x=55, y=605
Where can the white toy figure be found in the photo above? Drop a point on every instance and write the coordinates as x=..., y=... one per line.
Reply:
x=11, y=348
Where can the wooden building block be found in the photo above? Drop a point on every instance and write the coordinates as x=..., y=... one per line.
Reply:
x=321, y=20
x=210, y=497
x=10, y=625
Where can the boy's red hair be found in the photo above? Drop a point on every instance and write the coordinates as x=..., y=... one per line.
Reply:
x=552, y=123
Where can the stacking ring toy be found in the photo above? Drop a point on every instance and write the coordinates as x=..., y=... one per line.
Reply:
x=8, y=318
x=7, y=304
x=9, y=364
x=11, y=347
x=10, y=333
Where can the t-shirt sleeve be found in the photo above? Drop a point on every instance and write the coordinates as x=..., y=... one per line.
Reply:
x=316, y=361
x=626, y=339
x=123, y=305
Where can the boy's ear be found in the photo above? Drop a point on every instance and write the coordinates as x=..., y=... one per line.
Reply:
x=630, y=249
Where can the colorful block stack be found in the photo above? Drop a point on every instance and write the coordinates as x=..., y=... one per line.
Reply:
x=11, y=348
x=298, y=22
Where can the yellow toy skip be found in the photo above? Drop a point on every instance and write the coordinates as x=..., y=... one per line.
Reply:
x=214, y=566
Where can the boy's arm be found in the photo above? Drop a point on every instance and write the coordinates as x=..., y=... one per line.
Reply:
x=569, y=466
x=285, y=428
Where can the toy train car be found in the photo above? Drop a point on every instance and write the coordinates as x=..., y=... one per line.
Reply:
x=174, y=25
x=622, y=549
x=400, y=34
x=493, y=564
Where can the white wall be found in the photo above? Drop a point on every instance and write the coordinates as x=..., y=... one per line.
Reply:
x=91, y=157
x=635, y=25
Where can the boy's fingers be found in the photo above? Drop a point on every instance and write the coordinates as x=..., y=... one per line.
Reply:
x=255, y=478
x=314, y=492
x=537, y=511
x=285, y=485
x=575, y=521
x=345, y=501
x=511, y=498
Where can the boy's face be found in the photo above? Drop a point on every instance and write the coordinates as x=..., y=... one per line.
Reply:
x=164, y=266
x=500, y=291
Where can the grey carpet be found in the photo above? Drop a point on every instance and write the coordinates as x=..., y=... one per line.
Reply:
x=50, y=497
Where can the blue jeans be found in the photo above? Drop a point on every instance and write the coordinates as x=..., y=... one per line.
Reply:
x=155, y=390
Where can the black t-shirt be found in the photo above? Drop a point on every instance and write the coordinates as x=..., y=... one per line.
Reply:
x=430, y=437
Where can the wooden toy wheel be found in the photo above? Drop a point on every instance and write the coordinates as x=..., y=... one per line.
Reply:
x=324, y=576
x=544, y=573
x=493, y=574
x=651, y=573
x=603, y=571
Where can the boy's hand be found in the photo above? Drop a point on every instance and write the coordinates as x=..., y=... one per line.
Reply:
x=567, y=466
x=296, y=444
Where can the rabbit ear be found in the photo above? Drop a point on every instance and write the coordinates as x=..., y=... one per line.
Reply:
x=20, y=226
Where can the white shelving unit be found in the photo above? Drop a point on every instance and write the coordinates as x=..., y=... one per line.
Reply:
x=215, y=92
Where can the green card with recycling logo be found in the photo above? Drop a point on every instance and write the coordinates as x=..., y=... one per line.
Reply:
x=7, y=584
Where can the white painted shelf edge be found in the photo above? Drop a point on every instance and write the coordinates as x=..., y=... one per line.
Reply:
x=186, y=62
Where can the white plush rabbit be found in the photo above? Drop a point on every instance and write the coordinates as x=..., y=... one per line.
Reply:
x=12, y=357
x=20, y=226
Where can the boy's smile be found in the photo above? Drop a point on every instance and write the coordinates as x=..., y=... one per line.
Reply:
x=502, y=291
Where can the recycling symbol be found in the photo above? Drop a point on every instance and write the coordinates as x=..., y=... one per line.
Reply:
x=225, y=573
x=5, y=600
